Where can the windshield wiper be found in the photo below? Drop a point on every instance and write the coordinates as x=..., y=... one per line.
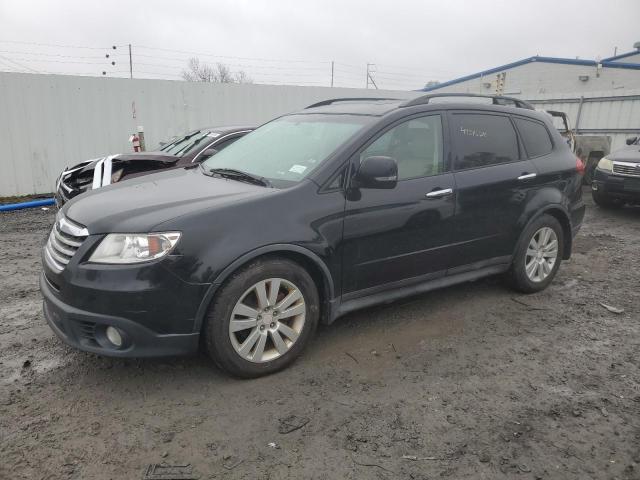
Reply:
x=178, y=140
x=239, y=175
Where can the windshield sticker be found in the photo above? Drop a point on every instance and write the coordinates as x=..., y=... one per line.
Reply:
x=213, y=134
x=298, y=169
x=472, y=132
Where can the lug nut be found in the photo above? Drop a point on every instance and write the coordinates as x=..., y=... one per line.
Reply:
x=272, y=324
x=275, y=312
x=261, y=327
x=259, y=317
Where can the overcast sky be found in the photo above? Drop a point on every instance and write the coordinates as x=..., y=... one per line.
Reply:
x=409, y=41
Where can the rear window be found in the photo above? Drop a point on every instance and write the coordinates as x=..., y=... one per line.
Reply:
x=535, y=137
x=483, y=140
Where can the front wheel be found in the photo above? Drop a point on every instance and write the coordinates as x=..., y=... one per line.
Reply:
x=538, y=255
x=262, y=318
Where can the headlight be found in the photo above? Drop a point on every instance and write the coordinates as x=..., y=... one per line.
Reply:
x=134, y=247
x=605, y=164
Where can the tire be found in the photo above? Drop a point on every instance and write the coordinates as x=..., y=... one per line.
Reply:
x=518, y=277
x=604, y=201
x=238, y=352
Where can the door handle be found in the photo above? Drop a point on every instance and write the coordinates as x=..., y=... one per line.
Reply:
x=439, y=193
x=527, y=176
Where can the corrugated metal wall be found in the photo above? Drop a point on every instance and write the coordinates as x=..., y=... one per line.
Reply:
x=48, y=122
x=598, y=114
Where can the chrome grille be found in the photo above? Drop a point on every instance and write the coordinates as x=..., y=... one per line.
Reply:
x=64, y=240
x=627, y=168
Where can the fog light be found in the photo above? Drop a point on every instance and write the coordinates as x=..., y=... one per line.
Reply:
x=114, y=336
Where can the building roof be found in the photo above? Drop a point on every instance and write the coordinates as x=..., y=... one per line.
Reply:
x=607, y=62
x=622, y=55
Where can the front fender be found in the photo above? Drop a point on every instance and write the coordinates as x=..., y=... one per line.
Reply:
x=258, y=252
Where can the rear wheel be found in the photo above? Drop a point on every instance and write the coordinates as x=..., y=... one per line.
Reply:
x=538, y=255
x=604, y=201
x=262, y=318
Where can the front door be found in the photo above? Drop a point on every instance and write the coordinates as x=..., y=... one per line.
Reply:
x=400, y=236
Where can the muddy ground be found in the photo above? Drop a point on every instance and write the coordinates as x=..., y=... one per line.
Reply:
x=470, y=382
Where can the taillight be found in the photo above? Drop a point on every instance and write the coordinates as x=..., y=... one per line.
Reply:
x=580, y=166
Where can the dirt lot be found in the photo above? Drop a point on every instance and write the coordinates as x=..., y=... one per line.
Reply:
x=469, y=382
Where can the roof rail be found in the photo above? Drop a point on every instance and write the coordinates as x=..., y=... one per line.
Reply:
x=497, y=99
x=354, y=99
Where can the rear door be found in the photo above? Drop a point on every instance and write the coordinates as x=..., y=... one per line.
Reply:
x=401, y=236
x=493, y=180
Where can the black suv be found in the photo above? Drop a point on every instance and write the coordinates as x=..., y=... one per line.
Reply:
x=616, y=179
x=346, y=204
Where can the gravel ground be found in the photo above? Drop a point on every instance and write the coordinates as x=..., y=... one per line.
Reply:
x=472, y=381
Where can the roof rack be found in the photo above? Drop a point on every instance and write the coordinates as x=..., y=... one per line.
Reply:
x=497, y=99
x=354, y=99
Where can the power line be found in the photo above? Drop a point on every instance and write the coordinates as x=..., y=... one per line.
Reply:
x=24, y=67
x=52, y=54
x=200, y=54
x=59, y=45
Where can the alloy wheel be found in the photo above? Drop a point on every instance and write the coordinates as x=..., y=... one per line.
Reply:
x=541, y=255
x=267, y=320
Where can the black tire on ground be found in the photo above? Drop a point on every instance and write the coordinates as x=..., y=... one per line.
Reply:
x=216, y=328
x=604, y=201
x=517, y=275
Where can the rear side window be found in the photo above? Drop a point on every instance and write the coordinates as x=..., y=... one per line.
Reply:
x=535, y=137
x=483, y=140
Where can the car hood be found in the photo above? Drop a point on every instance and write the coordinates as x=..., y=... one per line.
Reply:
x=162, y=157
x=158, y=156
x=138, y=205
x=630, y=153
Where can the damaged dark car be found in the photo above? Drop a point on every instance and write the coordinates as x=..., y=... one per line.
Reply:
x=181, y=151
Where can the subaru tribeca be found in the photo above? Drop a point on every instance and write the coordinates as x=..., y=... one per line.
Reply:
x=346, y=204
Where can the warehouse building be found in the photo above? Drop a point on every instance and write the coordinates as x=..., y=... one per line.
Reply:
x=601, y=97
x=537, y=75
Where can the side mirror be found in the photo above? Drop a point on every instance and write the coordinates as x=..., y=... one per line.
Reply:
x=631, y=140
x=377, y=172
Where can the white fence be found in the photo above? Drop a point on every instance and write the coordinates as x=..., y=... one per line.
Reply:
x=48, y=122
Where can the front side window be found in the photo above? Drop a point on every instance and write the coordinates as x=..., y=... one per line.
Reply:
x=288, y=149
x=416, y=146
x=535, y=137
x=482, y=140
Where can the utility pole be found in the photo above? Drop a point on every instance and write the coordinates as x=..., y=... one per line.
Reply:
x=369, y=77
x=332, y=73
x=130, y=63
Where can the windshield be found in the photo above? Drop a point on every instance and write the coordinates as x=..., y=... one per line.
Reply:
x=288, y=149
x=184, y=144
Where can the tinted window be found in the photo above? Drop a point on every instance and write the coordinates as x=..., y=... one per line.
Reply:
x=535, y=137
x=416, y=145
x=483, y=140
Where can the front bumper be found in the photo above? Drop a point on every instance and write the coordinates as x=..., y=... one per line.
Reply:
x=622, y=187
x=85, y=330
